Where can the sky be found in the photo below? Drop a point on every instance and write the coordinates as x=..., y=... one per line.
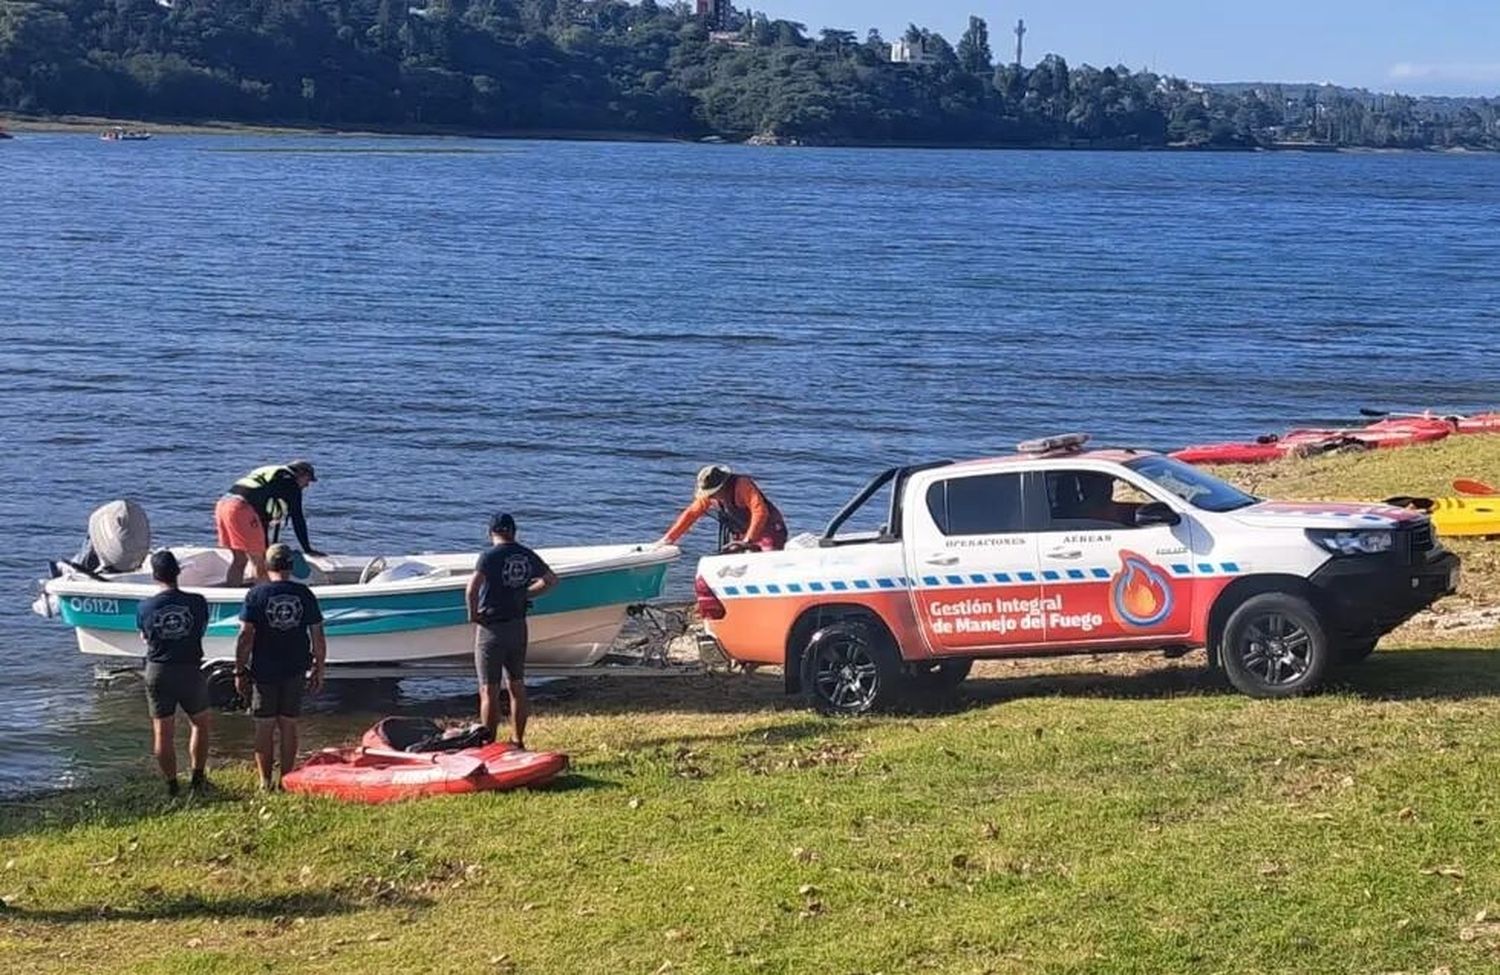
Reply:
x=1431, y=47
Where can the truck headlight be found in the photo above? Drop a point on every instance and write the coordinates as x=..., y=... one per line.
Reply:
x=1342, y=541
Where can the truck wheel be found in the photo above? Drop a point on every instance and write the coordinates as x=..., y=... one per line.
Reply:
x=221, y=690
x=849, y=667
x=1274, y=646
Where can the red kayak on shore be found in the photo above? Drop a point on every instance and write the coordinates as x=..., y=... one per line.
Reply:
x=376, y=772
x=1395, y=432
x=1478, y=423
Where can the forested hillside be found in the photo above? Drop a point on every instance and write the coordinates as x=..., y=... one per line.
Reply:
x=649, y=68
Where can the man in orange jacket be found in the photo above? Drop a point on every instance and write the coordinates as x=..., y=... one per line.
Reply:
x=747, y=518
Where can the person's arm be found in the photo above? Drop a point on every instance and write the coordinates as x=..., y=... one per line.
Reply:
x=543, y=578
x=242, y=645
x=686, y=520
x=471, y=594
x=298, y=520
x=750, y=498
x=320, y=656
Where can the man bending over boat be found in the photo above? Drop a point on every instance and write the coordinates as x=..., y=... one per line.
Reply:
x=249, y=517
x=172, y=623
x=280, y=652
x=747, y=518
x=505, y=580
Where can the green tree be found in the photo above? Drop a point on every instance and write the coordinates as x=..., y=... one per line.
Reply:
x=974, y=48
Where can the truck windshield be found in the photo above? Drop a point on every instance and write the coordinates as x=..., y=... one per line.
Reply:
x=1190, y=484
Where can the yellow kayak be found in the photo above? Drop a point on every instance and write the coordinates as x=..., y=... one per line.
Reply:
x=1458, y=516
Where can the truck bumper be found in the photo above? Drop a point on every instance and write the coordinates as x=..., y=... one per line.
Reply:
x=1370, y=597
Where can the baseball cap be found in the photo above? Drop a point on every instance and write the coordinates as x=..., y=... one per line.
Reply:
x=279, y=557
x=303, y=467
x=164, y=566
x=502, y=523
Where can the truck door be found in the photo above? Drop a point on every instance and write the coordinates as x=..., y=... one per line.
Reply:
x=971, y=562
x=1105, y=577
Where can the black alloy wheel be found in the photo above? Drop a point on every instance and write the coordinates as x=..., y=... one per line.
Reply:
x=848, y=668
x=1274, y=646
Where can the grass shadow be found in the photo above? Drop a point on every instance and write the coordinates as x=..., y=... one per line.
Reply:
x=1436, y=673
x=122, y=802
x=318, y=903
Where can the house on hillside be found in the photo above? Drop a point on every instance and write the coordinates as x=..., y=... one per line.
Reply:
x=911, y=52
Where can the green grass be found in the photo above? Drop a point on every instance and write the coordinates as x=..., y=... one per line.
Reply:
x=1109, y=814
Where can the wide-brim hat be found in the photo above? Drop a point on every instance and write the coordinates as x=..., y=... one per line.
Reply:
x=711, y=479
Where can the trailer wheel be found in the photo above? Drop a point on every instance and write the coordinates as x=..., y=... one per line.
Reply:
x=1274, y=646
x=222, y=693
x=850, y=667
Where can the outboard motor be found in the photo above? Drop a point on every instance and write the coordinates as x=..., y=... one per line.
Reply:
x=119, y=539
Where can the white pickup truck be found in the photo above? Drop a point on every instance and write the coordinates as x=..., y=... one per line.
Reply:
x=1059, y=550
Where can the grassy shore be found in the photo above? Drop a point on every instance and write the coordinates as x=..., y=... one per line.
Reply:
x=1105, y=814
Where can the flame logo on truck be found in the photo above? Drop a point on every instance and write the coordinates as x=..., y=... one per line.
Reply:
x=1140, y=594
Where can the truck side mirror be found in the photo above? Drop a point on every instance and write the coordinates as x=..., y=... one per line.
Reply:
x=1156, y=513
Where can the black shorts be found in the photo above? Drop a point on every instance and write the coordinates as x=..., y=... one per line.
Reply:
x=173, y=686
x=278, y=698
x=500, y=651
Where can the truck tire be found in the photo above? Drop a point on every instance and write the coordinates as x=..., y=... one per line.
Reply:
x=850, y=667
x=1274, y=646
x=222, y=693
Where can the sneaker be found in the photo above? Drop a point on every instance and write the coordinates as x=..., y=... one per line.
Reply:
x=174, y=788
x=199, y=781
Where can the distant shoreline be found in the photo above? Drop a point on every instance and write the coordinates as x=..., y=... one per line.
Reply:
x=87, y=124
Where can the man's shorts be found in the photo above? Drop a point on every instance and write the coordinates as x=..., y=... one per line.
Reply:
x=277, y=699
x=238, y=525
x=173, y=686
x=500, y=651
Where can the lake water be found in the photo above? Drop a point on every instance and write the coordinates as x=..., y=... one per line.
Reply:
x=569, y=330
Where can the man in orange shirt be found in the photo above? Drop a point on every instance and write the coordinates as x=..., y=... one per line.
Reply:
x=747, y=518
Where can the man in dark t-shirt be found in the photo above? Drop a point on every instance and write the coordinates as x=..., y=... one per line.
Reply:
x=172, y=623
x=507, y=577
x=281, y=649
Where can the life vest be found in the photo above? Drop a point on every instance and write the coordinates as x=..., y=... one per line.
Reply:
x=734, y=520
x=258, y=480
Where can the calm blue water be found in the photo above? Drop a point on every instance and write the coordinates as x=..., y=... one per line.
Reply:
x=570, y=330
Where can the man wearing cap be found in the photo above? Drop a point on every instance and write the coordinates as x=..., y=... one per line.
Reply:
x=249, y=517
x=747, y=517
x=507, y=577
x=172, y=623
x=280, y=651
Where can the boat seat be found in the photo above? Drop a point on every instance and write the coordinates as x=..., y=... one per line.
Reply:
x=411, y=569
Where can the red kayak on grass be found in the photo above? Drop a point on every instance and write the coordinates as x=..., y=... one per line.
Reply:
x=377, y=772
x=1392, y=432
x=1478, y=423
